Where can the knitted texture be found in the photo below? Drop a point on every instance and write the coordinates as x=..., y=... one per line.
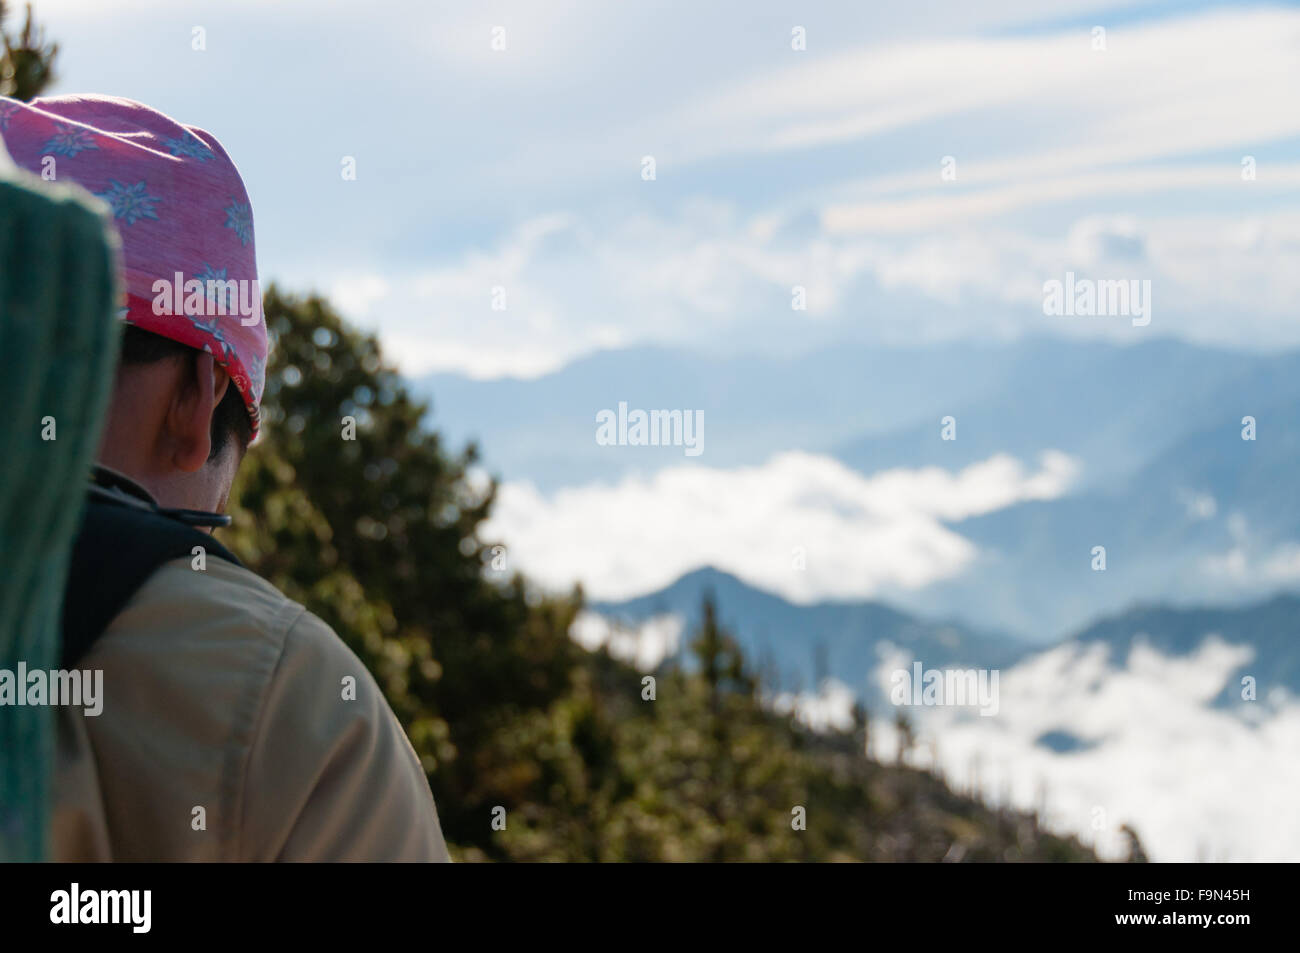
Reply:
x=60, y=337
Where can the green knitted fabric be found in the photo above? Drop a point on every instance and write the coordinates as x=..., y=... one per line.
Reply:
x=58, y=342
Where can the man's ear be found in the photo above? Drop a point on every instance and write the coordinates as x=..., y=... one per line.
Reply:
x=201, y=385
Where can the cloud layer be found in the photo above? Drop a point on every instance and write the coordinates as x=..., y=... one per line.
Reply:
x=1196, y=782
x=802, y=525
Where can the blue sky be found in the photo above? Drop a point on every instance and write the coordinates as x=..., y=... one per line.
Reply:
x=521, y=168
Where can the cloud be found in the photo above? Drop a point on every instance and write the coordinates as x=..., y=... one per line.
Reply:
x=957, y=206
x=643, y=646
x=1199, y=506
x=856, y=534
x=704, y=275
x=1185, y=775
x=1253, y=571
x=828, y=708
x=1223, y=81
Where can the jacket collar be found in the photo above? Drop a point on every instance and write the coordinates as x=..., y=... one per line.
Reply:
x=119, y=484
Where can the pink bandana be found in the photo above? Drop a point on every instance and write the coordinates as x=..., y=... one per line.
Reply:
x=181, y=211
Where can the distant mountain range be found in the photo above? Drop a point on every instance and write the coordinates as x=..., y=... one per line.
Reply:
x=799, y=645
x=1115, y=407
x=1270, y=630
x=1185, y=508
x=1210, y=518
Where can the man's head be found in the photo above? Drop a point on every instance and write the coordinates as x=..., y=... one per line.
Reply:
x=185, y=403
x=175, y=425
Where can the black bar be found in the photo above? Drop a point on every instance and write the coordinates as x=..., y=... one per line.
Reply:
x=214, y=903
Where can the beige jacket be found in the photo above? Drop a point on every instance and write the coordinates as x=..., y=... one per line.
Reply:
x=225, y=735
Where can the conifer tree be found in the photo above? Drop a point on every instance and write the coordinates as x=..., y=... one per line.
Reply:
x=27, y=61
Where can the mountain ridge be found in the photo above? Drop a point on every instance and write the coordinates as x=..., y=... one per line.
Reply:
x=848, y=629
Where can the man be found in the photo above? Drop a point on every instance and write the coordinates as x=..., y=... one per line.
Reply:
x=234, y=725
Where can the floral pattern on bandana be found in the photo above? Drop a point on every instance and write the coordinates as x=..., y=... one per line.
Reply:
x=69, y=141
x=181, y=212
x=129, y=202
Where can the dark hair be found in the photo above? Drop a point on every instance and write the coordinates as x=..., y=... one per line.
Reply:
x=230, y=422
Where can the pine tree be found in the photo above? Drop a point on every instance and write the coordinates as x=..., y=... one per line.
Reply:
x=27, y=63
x=374, y=527
x=1136, y=853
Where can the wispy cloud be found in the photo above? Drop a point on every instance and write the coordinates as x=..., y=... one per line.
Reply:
x=1162, y=88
